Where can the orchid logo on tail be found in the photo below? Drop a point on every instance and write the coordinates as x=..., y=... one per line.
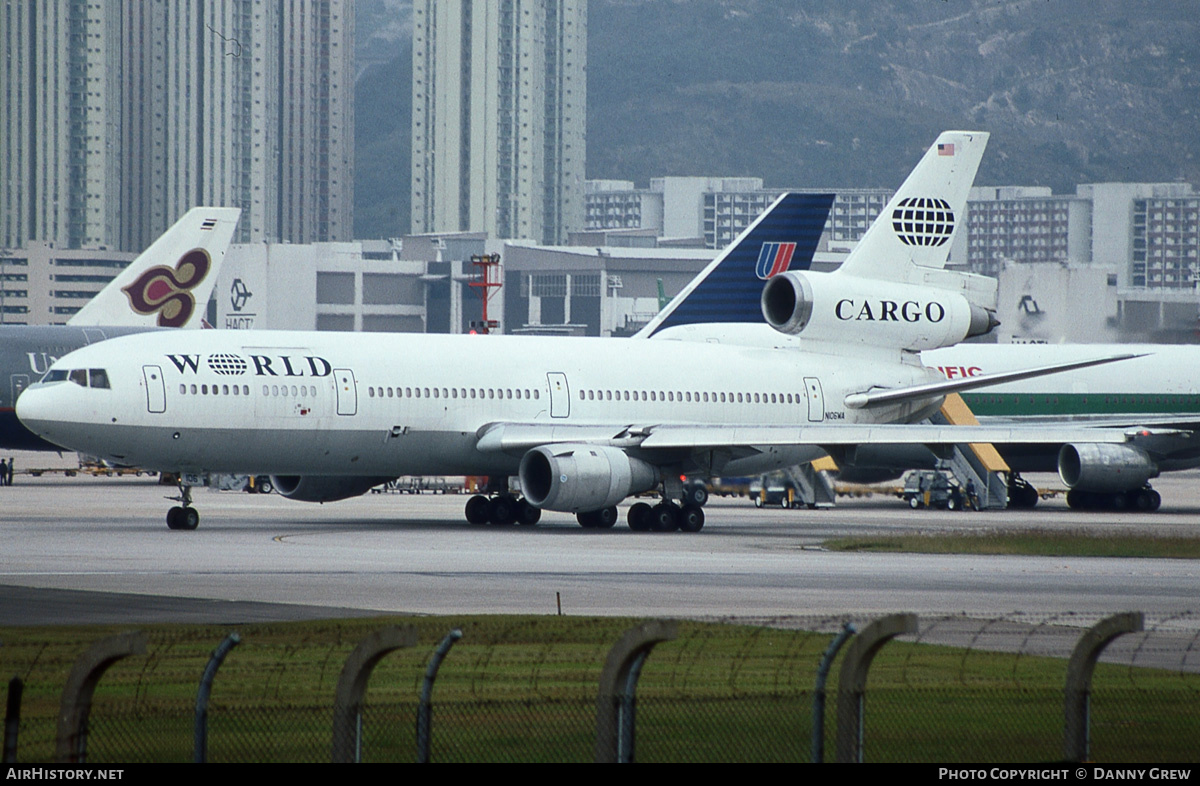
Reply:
x=168, y=290
x=773, y=259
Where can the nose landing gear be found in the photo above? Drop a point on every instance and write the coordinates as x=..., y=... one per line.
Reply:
x=183, y=516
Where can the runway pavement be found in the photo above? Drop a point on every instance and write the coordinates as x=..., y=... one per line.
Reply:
x=98, y=550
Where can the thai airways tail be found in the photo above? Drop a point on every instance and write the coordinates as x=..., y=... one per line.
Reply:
x=783, y=238
x=169, y=284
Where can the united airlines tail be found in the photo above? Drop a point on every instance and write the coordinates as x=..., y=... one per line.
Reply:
x=169, y=284
x=727, y=291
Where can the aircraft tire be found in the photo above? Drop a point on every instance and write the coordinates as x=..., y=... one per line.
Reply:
x=587, y=519
x=477, y=510
x=695, y=494
x=691, y=518
x=501, y=510
x=1147, y=500
x=606, y=517
x=189, y=518
x=664, y=518
x=173, y=517
x=639, y=517
x=528, y=515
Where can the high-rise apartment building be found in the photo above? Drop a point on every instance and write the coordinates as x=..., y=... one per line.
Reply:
x=498, y=117
x=120, y=116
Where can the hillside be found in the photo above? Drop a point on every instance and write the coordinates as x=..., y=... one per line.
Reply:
x=849, y=94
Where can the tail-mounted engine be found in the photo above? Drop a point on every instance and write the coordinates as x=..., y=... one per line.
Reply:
x=582, y=478
x=848, y=309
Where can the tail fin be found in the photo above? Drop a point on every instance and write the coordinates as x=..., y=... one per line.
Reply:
x=728, y=290
x=169, y=284
x=919, y=223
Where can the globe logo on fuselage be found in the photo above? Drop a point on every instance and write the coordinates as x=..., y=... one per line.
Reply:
x=229, y=365
x=923, y=221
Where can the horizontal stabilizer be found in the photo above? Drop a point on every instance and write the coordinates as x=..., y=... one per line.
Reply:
x=896, y=395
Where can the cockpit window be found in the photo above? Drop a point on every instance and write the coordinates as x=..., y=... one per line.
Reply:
x=83, y=377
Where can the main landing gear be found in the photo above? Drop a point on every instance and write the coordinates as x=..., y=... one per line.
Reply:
x=1144, y=500
x=501, y=510
x=183, y=516
x=666, y=516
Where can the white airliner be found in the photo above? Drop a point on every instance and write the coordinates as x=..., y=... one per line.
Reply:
x=583, y=422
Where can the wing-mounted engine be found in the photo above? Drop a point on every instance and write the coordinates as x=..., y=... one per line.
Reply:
x=324, y=488
x=1104, y=467
x=577, y=478
x=841, y=309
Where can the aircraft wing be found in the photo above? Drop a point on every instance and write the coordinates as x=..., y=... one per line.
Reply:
x=515, y=438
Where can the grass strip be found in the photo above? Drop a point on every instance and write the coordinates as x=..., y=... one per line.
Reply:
x=1031, y=542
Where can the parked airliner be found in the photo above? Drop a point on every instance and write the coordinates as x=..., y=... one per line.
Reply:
x=583, y=422
x=168, y=285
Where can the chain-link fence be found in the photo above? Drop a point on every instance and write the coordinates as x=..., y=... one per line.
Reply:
x=526, y=689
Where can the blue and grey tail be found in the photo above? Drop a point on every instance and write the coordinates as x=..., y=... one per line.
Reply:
x=728, y=291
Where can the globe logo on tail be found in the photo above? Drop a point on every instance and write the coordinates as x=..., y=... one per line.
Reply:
x=167, y=291
x=923, y=221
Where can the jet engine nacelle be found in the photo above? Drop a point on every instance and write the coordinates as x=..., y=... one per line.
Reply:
x=1104, y=467
x=324, y=488
x=848, y=309
x=582, y=478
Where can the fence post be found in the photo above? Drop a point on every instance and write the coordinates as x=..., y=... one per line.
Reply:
x=210, y=673
x=12, y=720
x=852, y=680
x=76, y=703
x=616, y=703
x=818, y=725
x=425, y=710
x=1077, y=699
x=352, y=687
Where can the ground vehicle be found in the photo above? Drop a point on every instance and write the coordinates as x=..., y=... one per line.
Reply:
x=932, y=488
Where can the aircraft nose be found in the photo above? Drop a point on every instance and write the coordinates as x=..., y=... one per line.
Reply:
x=37, y=410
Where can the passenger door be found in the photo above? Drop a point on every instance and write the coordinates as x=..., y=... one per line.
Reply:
x=560, y=395
x=816, y=400
x=347, y=391
x=156, y=391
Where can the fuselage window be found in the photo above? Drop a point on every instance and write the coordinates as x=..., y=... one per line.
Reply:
x=204, y=390
x=236, y=390
x=535, y=395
